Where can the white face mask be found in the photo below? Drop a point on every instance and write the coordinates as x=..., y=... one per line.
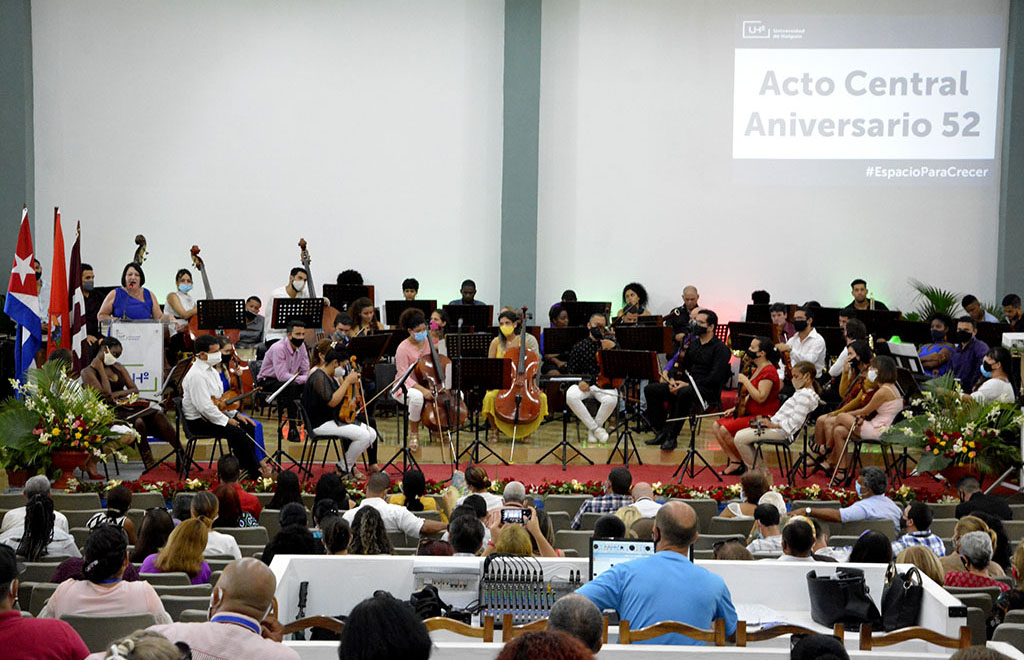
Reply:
x=872, y=375
x=213, y=359
x=299, y=285
x=109, y=359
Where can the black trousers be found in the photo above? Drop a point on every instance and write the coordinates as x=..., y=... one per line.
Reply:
x=287, y=398
x=662, y=404
x=238, y=438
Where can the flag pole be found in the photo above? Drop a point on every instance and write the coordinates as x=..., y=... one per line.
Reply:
x=17, y=355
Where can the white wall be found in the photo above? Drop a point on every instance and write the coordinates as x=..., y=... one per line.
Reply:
x=637, y=180
x=372, y=129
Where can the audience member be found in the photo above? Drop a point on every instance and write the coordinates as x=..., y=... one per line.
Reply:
x=973, y=499
x=38, y=536
x=141, y=645
x=998, y=384
x=821, y=549
x=644, y=505
x=609, y=527
x=294, y=537
x=181, y=506
x=976, y=554
x=287, y=490
x=230, y=512
x=336, y=535
x=818, y=647
x=641, y=529
x=974, y=308
x=872, y=548
x=322, y=511
x=918, y=522
x=967, y=524
x=978, y=653
x=754, y=484
x=925, y=560
x=1001, y=547
x=797, y=540
x=545, y=645
x=873, y=505
x=103, y=591
x=433, y=548
x=26, y=638
x=935, y=355
x=183, y=553
x=15, y=518
x=414, y=495
x=575, y=615
x=513, y=540
x=537, y=530
x=384, y=628
x=766, y=523
x=153, y=532
x=119, y=500
x=369, y=536
x=396, y=518
x=731, y=550
x=479, y=484
x=241, y=601
x=1012, y=311
x=645, y=591
x=616, y=495
x=71, y=568
x=206, y=508
x=228, y=472
x=331, y=487
x=466, y=534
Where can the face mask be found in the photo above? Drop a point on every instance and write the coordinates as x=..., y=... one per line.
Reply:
x=938, y=335
x=213, y=359
x=751, y=354
x=184, y=288
x=963, y=336
x=800, y=326
x=299, y=285
x=507, y=330
x=595, y=333
x=434, y=325
x=109, y=359
x=872, y=375
x=856, y=486
x=984, y=371
x=87, y=286
x=903, y=523
x=250, y=316
x=297, y=341
x=420, y=336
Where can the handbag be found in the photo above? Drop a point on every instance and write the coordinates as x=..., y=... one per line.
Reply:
x=841, y=598
x=901, y=598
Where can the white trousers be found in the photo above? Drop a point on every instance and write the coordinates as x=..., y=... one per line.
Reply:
x=744, y=438
x=360, y=436
x=574, y=397
x=414, y=404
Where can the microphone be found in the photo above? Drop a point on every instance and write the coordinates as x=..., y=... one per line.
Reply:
x=460, y=323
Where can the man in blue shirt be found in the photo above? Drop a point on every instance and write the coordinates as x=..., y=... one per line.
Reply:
x=665, y=587
x=873, y=504
x=468, y=292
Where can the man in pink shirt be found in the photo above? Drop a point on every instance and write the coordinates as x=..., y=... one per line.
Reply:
x=31, y=639
x=283, y=360
x=241, y=601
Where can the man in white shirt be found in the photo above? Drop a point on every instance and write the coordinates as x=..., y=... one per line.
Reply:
x=396, y=518
x=643, y=500
x=200, y=386
x=296, y=288
x=797, y=541
x=15, y=518
x=854, y=330
x=806, y=345
x=766, y=520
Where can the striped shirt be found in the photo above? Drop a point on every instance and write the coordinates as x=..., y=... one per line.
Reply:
x=794, y=411
x=604, y=504
x=926, y=538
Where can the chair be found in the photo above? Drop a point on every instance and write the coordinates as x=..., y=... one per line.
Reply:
x=783, y=457
x=250, y=550
x=219, y=564
x=270, y=519
x=991, y=593
x=705, y=510
x=65, y=502
x=569, y=504
x=589, y=520
x=192, y=440
x=1014, y=528
x=167, y=579
x=264, y=498
x=943, y=527
x=428, y=515
x=175, y=605
x=98, y=631
x=10, y=501
x=214, y=576
x=560, y=520
x=869, y=641
x=246, y=535
x=858, y=527
x=183, y=590
x=1006, y=579
x=1011, y=633
x=943, y=510
x=889, y=460
x=576, y=540
x=1014, y=616
x=145, y=501
x=312, y=438
x=510, y=631
x=730, y=526
x=708, y=541
x=771, y=632
x=37, y=571
x=193, y=616
x=334, y=625
x=78, y=517
x=716, y=634
x=815, y=504
x=842, y=541
x=485, y=633
x=41, y=593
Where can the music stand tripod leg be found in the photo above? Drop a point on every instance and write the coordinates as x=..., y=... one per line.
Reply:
x=625, y=435
x=404, y=452
x=473, y=448
x=565, y=445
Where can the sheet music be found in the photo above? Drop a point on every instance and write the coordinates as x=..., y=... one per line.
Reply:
x=754, y=613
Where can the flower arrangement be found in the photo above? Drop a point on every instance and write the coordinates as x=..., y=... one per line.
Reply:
x=52, y=411
x=950, y=430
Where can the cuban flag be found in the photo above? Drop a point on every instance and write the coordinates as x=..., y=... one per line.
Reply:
x=22, y=301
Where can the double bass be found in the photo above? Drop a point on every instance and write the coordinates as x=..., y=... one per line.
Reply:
x=193, y=323
x=447, y=410
x=520, y=403
x=330, y=313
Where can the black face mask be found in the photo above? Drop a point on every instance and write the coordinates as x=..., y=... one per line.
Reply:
x=800, y=325
x=903, y=522
x=297, y=341
x=752, y=354
x=938, y=335
x=595, y=333
x=249, y=316
x=963, y=336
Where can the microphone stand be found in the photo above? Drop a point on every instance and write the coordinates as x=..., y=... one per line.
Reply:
x=458, y=431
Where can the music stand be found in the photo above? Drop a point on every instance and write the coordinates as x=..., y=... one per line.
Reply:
x=564, y=445
x=467, y=345
x=633, y=367
x=691, y=456
x=310, y=310
x=580, y=312
x=474, y=316
x=342, y=295
x=393, y=308
x=481, y=375
x=560, y=340
x=221, y=314
x=369, y=349
x=655, y=338
x=404, y=452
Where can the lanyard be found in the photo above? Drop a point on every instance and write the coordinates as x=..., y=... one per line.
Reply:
x=110, y=581
x=227, y=618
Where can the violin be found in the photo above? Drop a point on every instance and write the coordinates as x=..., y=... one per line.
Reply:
x=779, y=338
x=447, y=410
x=353, y=403
x=230, y=400
x=240, y=378
x=520, y=403
x=742, y=395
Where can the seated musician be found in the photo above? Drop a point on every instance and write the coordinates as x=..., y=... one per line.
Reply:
x=92, y=304
x=634, y=299
x=761, y=391
x=508, y=324
x=322, y=397
x=363, y=317
x=296, y=288
x=130, y=300
x=854, y=392
x=845, y=316
x=342, y=328
x=283, y=360
x=679, y=318
x=968, y=353
x=252, y=335
x=861, y=300
x=706, y=360
x=349, y=277
x=468, y=291
x=180, y=303
x=936, y=355
x=410, y=288
x=854, y=330
x=553, y=363
x=230, y=371
x=806, y=345
x=970, y=303
x=868, y=421
x=107, y=376
x=200, y=387
x=582, y=361
x=409, y=352
x=779, y=314
x=438, y=327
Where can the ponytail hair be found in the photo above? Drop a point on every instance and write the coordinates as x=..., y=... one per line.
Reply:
x=414, y=486
x=205, y=507
x=808, y=369
x=104, y=554
x=38, y=527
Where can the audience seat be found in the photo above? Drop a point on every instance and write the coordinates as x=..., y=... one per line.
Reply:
x=705, y=510
x=980, y=597
x=175, y=605
x=484, y=633
x=98, y=631
x=194, y=616
x=965, y=638
x=428, y=515
x=1014, y=529
x=1011, y=633
x=403, y=551
x=707, y=541
x=270, y=520
x=1014, y=616
x=78, y=517
x=219, y=564
x=246, y=535
x=943, y=510
x=856, y=528
x=1017, y=509
x=144, y=501
x=730, y=526
x=264, y=498
x=41, y=593
x=567, y=503
x=65, y=502
x=154, y=579
x=943, y=527
x=589, y=520
x=715, y=635
x=575, y=540
x=10, y=501
x=815, y=504
x=841, y=541
x=183, y=590
x=250, y=550
x=37, y=571
x=80, y=534
x=560, y=519
x=214, y=577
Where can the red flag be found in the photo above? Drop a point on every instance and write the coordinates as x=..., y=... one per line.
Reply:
x=59, y=324
x=79, y=332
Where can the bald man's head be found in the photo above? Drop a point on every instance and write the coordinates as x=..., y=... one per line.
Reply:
x=246, y=587
x=675, y=526
x=641, y=490
x=690, y=297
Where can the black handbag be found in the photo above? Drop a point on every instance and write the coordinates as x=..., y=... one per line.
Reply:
x=901, y=598
x=841, y=598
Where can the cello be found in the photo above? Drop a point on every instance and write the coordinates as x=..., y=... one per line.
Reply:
x=520, y=403
x=447, y=410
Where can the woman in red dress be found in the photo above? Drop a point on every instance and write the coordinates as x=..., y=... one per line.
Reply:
x=762, y=391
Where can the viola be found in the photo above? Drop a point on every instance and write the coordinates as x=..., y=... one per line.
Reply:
x=779, y=338
x=240, y=377
x=520, y=403
x=742, y=395
x=230, y=400
x=447, y=411
x=353, y=403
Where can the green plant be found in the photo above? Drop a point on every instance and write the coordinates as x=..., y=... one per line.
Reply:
x=934, y=301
